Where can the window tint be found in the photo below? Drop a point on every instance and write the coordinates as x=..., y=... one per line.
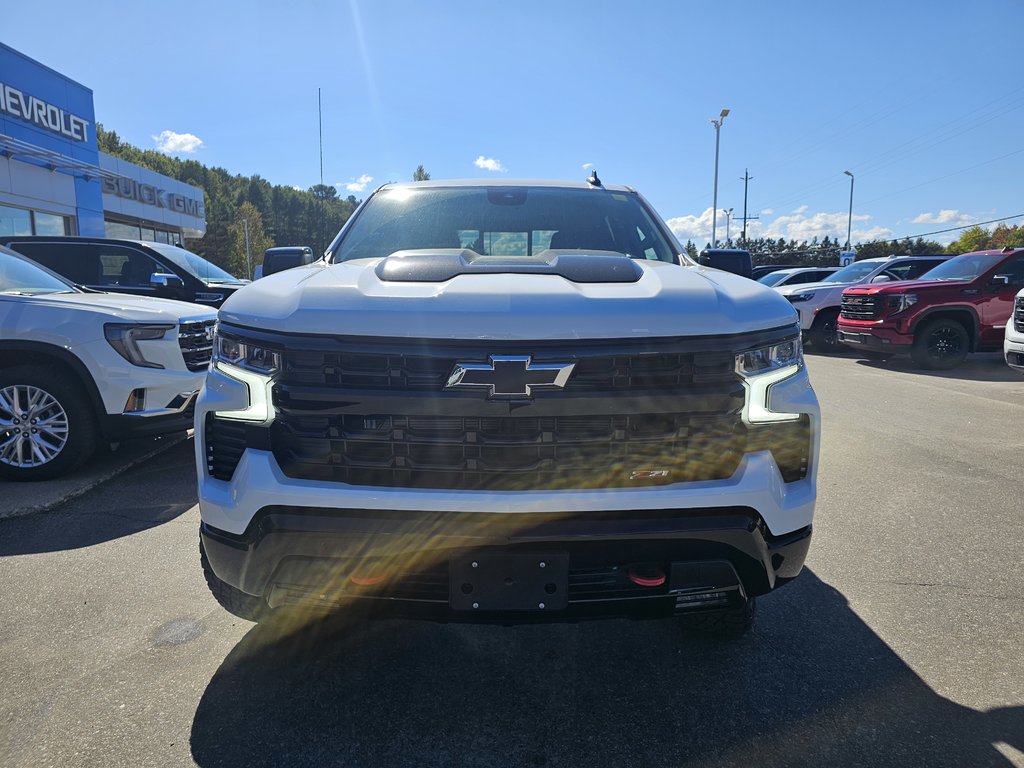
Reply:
x=126, y=267
x=1014, y=269
x=77, y=262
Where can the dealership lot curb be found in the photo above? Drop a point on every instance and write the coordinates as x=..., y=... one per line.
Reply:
x=20, y=499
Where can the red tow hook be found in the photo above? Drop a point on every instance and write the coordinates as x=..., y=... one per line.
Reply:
x=367, y=581
x=646, y=575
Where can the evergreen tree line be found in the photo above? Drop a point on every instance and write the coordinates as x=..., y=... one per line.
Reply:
x=283, y=215
x=275, y=214
x=826, y=251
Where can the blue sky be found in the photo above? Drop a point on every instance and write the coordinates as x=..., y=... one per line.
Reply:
x=923, y=102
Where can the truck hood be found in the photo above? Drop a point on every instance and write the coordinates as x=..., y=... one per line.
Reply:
x=118, y=306
x=903, y=286
x=350, y=299
x=789, y=290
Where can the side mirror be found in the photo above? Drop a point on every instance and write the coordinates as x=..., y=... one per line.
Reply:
x=165, y=280
x=881, y=279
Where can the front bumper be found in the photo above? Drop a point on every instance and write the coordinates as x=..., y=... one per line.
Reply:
x=1013, y=351
x=874, y=339
x=405, y=562
x=178, y=416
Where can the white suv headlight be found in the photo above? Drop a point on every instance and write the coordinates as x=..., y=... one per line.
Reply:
x=763, y=367
x=124, y=337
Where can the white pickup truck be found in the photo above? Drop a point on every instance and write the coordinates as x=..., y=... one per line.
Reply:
x=506, y=401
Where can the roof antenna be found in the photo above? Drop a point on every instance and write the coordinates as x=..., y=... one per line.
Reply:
x=593, y=180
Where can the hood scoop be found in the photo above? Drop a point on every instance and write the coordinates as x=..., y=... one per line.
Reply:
x=440, y=265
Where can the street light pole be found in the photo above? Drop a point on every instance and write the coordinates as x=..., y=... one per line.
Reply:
x=849, y=221
x=728, y=220
x=714, y=202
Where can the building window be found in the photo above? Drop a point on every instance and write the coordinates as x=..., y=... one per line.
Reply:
x=21, y=221
x=15, y=221
x=121, y=231
x=50, y=224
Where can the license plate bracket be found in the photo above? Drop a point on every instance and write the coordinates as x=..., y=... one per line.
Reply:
x=507, y=581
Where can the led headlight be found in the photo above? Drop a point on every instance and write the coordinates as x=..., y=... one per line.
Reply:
x=243, y=354
x=761, y=368
x=124, y=338
x=251, y=364
x=798, y=297
x=897, y=302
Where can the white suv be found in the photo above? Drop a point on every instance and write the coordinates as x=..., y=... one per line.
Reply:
x=1013, y=346
x=80, y=367
x=818, y=303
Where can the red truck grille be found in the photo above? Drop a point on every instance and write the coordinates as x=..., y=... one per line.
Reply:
x=862, y=307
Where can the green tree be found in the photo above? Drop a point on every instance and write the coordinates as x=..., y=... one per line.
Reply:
x=237, y=261
x=420, y=174
x=973, y=239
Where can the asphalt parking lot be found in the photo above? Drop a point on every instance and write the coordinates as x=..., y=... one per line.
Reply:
x=900, y=644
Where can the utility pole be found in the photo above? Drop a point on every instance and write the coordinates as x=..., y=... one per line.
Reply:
x=714, y=202
x=248, y=256
x=746, y=179
x=320, y=121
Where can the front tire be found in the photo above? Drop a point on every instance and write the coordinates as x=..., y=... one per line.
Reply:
x=47, y=425
x=824, y=334
x=940, y=345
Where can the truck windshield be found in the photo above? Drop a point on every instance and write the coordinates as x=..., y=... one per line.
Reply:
x=194, y=264
x=966, y=267
x=852, y=273
x=507, y=221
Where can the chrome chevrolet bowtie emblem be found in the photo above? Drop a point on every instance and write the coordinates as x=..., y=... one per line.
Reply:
x=510, y=376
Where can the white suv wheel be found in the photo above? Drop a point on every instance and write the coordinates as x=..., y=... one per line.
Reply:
x=34, y=424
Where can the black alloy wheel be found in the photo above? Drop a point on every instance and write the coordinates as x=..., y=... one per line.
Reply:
x=941, y=345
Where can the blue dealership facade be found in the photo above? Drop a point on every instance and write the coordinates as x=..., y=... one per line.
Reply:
x=55, y=181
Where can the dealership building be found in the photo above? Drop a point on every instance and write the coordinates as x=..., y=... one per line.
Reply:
x=55, y=181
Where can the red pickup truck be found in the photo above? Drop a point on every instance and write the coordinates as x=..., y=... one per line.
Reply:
x=958, y=307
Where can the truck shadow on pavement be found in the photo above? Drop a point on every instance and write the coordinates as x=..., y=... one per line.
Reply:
x=980, y=367
x=812, y=685
x=102, y=514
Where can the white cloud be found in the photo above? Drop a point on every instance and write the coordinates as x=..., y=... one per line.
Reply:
x=489, y=164
x=801, y=209
x=798, y=226
x=587, y=166
x=360, y=184
x=170, y=142
x=768, y=212
x=945, y=216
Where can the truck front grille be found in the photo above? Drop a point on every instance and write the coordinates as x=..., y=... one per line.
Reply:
x=1018, y=315
x=633, y=413
x=861, y=307
x=196, y=345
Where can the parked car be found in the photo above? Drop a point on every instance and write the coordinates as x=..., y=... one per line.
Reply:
x=81, y=367
x=761, y=270
x=137, y=267
x=734, y=260
x=1013, y=342
x=964, y=305
x=477, y=408
x=284, y=257
x=796, y=276
x=818, y=303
